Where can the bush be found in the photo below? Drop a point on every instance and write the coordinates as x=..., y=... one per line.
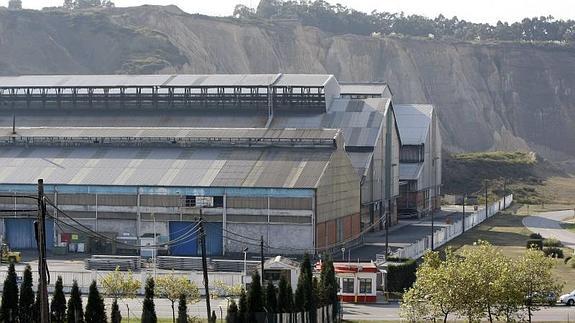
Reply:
x=401, y=277
x=566, y=260
x=571, y=263
x=552, y=243
x=535, y=236
x=534, y=244
x=553, y=252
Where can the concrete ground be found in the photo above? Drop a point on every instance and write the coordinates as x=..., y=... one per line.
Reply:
x=405, y=233
x=548, y=224
x=390, y=312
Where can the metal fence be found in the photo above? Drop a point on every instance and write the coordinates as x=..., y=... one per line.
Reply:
x=446, y=234
x=85, y=278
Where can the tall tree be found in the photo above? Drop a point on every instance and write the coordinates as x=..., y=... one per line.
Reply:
x=271, y=298
x=243, y=307
x=182, y=309
x=116, y=316
x=26, y=303
x=95, y=309
x=58, y=304
x=534, y=273
x=285, y=297
x=75, y=311
x=255, y=297
x=9, y=307
x=36, y=307
x=149, y=309
x=232, y=315
x=329, y=285
x=304, y=300
x=173, y=286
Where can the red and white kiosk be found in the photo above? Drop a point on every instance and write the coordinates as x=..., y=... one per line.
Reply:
x=357, y=282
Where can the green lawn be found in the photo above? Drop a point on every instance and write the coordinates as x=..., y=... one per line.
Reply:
x=506, y=231
x=569, y=226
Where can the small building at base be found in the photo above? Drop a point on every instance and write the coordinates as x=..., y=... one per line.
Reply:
x=357, y=282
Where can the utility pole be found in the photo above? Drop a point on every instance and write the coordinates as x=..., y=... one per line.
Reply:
x=205, y=268
x=504, y=191
x=387, y=217
x=463, y=218
x=486, y=201
x=41, y=240
x=262, y=258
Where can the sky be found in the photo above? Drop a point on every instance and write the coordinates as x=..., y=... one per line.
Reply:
x=472, y=10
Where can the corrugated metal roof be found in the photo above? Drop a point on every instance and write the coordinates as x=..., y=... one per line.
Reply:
x=360, y=161
x=53, y=81
x=227, y=80
x=362, y=88
x=410, y=171
x=177, y=80
x=304, y=80
x=413, y=121
x=142, y=132
x=186, y=167
x=360, y=120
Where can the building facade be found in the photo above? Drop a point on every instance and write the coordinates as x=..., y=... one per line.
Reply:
x=420, y=159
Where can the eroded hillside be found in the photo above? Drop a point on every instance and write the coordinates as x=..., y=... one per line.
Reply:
x=489, y=96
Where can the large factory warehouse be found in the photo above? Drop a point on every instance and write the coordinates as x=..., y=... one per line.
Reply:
x=300, y=160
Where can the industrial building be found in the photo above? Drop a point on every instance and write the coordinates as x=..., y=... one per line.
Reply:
x=283, y=156
x=420, y=159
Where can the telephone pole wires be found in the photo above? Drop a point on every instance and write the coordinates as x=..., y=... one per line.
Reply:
x=205, y=268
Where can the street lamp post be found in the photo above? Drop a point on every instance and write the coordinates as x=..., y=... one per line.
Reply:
x=245, y=260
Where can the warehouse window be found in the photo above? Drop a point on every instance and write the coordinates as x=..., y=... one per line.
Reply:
x=365, y=286
x=411, y=154
x=218, y=201
x=190, y=201
x=347, y=285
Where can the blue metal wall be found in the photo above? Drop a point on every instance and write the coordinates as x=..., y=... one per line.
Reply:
x=20, y=233
x=190, y=246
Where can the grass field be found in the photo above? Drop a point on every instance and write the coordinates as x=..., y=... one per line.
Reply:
x=506, y=231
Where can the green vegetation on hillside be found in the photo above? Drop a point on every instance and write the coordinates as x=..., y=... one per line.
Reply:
x=341, y=20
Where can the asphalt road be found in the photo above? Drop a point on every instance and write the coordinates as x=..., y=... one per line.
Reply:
x=390, y=312
x=548, y=224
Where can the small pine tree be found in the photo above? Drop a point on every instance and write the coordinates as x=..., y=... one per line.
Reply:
x=284, y=300
x=255, y=296
x=214, y=318
x=290, y=299
x=271, y=298
x=232, y=315
x=182, y=309
x=243, y=307
x=9, y=307
x=75, y=312
x=304, y=300
x=26, y=303
x=116, y=316
x=58, y=304
x=95, y=310
x=149, y=309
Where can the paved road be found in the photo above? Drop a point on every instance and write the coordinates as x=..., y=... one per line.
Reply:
x=390, y=312
x=548, y=224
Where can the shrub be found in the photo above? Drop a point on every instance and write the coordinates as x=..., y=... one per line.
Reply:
x=535, y=236
x=552, y=243
x=571, y=263
x=553, y=252
x=535, y=244
x=401, y=276
x=566, y=260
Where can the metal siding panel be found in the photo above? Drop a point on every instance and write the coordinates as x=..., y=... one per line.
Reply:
x=20, y=234
x=214, y=242
x=188, y=246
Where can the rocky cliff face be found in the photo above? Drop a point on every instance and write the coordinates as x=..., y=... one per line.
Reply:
x=489, y=96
